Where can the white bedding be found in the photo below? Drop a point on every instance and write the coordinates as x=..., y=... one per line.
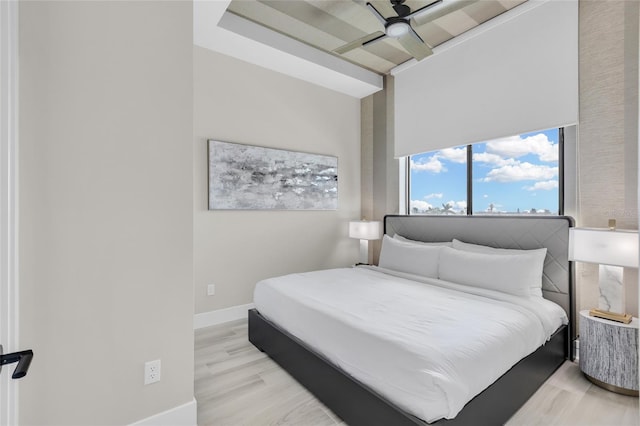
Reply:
x=422, y=343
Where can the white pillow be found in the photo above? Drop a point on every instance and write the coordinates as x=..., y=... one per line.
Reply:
x=407, y=240
x=508, y=273
x=536, y=257
x=411, y=258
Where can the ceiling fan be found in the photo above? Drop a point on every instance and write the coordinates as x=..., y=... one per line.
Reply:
x=398, y=27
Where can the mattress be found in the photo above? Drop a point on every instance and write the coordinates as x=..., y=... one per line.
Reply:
x=428, y=346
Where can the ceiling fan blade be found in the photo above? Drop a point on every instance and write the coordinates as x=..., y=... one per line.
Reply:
x=370, y=38
x=373, y=40
x=415, y=35
x=384, y=7
x=423, y=9
x=445, y=9
x=415, y=45
x=377, y=14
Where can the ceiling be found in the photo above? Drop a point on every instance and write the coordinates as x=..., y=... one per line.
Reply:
x=330, y=24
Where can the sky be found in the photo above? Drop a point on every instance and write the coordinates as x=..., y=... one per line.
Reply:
x=510, y=175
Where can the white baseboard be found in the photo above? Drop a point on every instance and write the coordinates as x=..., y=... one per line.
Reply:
x=219, y=316
x=182, y=415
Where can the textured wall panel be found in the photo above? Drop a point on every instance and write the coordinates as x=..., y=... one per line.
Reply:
x=607, y=138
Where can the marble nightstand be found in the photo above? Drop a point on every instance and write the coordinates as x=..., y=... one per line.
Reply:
x=609, y=353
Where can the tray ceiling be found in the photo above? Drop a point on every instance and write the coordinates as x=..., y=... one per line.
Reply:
x=329, y=24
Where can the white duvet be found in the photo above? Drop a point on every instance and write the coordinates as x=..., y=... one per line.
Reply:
x=426, y=345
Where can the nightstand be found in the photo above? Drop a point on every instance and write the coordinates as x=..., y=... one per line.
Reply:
x=609, y=353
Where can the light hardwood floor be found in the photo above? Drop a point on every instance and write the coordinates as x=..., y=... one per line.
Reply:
x=237, y=385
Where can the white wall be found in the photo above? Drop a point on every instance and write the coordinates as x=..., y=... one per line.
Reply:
x=105, y=226
x=238, y=102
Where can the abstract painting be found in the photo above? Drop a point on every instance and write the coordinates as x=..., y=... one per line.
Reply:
x=245, y=177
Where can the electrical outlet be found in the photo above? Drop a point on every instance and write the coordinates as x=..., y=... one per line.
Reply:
x=211, y=289
x=151, y=372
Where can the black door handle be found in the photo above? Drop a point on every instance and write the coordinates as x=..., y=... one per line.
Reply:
x=23, y=359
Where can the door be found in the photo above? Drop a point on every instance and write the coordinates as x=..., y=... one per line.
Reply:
x=8, y=205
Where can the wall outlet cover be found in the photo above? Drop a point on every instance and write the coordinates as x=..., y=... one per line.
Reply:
x=151, y=372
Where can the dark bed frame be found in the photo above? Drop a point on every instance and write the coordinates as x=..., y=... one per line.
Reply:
x=358, y=404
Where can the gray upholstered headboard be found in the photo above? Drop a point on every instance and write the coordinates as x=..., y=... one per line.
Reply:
x=514, y=232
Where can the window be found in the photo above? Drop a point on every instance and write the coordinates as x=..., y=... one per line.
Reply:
x=438, y=182
x=514, y=175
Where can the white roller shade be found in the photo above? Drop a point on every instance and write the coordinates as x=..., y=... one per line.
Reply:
x=516, y=77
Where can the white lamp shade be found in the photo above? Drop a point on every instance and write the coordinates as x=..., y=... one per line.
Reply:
x=604, y=246
x=365, y=230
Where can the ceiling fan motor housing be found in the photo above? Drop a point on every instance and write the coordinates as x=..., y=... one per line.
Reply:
x=400, y=8
x=396, y=27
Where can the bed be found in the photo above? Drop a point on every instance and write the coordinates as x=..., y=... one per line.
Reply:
x=362, y=398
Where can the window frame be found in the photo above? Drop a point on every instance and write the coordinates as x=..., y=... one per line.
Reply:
x=469, y=148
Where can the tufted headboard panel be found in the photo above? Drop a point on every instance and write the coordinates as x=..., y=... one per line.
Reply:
x=512, y=232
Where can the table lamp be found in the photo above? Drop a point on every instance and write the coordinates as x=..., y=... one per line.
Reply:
x=613, y=250
x=365, y=231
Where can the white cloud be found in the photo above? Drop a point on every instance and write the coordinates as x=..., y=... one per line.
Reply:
x=423, y=206
x=515, y=147
x=495, y=159
x=485, y=196
x=434, y=195
x=432, y=164
x=455, y=155
x=547, y=185
x=521, y=171
x=420, y=205
x=459, y=204
x=485, y=157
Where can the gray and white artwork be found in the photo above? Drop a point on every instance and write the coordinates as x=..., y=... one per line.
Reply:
x=245, y=177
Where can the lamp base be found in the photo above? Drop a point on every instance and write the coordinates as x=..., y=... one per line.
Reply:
x=364, y=252
x=613, y=316
x=611, y=388
x=610, y=285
